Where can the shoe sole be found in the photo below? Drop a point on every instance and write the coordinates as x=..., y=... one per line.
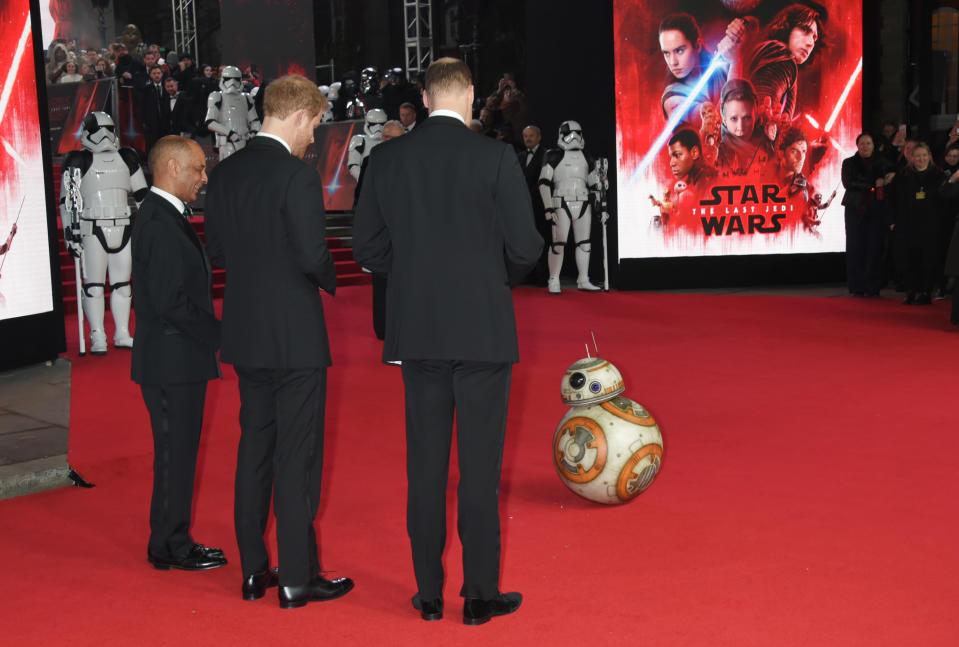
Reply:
x=473, y=622
x=167, y=567
x=296, y=604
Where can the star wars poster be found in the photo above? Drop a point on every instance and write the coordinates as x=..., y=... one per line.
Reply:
x=733, y=118
x=25, y=286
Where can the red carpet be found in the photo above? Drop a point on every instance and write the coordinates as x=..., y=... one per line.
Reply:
x=808, y=492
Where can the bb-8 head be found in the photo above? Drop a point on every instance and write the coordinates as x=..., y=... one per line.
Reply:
x=590, y=381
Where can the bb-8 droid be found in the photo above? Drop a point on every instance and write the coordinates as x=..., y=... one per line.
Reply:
x=607, y=448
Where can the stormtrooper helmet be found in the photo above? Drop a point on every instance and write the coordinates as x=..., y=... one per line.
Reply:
x=369, y=80
x=375, y=120
x=99, y=133
x=231, y=80
x=570, y=136
x=590, y=381
x=334, y=92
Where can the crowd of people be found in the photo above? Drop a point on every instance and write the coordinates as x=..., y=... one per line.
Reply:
x=901, y=209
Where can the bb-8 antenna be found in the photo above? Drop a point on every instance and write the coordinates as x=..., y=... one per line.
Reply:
x=594, y=344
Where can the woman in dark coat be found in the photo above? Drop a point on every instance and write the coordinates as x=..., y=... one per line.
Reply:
x=952, y=208
x=922, y=190
x=865, y=176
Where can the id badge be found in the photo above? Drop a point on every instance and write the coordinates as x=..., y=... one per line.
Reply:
x=920, y=195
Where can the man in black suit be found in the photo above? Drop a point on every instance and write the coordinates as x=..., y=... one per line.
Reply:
x=151, y=107
x=176, y=110
x=446, y=213
x=265, y=225
x=174, y=350
x=531, y=159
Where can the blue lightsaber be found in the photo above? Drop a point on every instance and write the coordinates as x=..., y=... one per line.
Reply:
x=677, y=116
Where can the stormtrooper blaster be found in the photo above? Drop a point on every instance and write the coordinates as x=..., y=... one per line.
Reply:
x=598, y=196
x=74, y=240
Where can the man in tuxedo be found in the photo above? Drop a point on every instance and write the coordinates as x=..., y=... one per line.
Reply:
x=176, y=110
x=265, y=225
x=174, y=350
x=531, y=159
x=446, y=214
x=151, y=107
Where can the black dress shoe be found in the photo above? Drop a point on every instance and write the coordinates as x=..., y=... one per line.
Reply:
x=198, y=559
x=318, y=590
x=910, y=299
x=209, y=550
x=255, y=586
x=429, y=609
x=924, y=299
x=476, y=612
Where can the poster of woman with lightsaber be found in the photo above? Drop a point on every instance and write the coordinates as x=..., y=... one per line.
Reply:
x=733, y=118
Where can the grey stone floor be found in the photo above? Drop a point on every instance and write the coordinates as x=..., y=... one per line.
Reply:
x=34, y=428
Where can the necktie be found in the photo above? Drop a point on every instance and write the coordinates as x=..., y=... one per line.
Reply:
x=187, y=211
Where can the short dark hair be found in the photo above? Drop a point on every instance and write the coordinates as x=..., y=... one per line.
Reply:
x=790, y=137
x=688, y=137
x=407, y=104
x=684, y=23
x=801, y=16
x=865, y=134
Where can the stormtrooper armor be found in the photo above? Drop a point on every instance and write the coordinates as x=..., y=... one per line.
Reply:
x=97, y=227
x=565, y=185
x=231, y=113
x=367, y=96
x=332, y=93
x=361, y=145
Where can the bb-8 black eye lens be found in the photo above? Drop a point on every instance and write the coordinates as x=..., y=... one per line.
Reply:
x=577, y=380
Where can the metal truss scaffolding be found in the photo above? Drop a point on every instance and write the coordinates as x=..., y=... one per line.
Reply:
x=418, y=17
x=184, y=27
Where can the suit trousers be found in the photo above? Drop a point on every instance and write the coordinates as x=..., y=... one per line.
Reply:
x=864, y=240
x=281, y=450
x=176, y=416
x=478, y=393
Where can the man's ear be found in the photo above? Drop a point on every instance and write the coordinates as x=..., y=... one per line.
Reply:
x=426, y=100
x=695, y=152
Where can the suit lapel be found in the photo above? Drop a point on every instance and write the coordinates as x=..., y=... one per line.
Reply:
x=164, y=206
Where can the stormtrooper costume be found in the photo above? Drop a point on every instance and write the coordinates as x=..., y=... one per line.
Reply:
x=565, y=184
x=361, y=145
x=97, y=226
x=368, y=97
x=332, y=93
x=231, y=113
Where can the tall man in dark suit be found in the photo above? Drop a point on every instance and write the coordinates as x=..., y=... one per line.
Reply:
x=176, y=110
x=174, y=349
x=265, y=224
x=446, y=213
x=531, y=159
x=151, y=107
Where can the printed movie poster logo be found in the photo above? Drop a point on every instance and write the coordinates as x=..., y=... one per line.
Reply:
x=733, y=120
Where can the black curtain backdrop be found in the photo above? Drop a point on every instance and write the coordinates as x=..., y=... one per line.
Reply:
x=277, y=39
x=569, y=71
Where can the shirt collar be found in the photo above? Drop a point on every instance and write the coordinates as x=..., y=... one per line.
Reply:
x=169, y=197
x=448, y=113
x=279, y=139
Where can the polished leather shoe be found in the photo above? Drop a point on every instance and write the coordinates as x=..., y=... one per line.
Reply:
x=255, y=586
x=198, y=559
x=209, y=550
x=429, y=609
x=319, y=589
x=476, y=612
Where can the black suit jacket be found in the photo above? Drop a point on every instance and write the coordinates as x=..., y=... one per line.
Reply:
x=177, y=332
x=151, y=111
x=180, y=119
x=265, y=224
x=446, y=213
x=532, y=171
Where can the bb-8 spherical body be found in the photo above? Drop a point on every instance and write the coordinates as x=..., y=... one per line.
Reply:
x=607, y=448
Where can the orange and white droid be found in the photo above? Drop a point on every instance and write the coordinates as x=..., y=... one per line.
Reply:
x=607, y=448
